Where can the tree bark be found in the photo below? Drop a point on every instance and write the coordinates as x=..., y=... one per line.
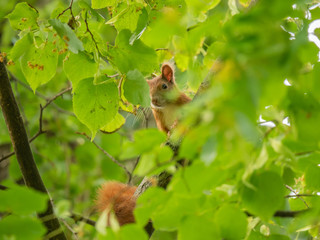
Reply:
x=24, y=155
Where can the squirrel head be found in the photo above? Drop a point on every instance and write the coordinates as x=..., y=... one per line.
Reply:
x=163, y=89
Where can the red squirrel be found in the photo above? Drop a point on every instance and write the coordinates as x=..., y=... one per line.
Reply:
x=120, y=197
x=166, y=99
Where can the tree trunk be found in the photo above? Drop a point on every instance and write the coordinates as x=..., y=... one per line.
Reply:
x=24, y=155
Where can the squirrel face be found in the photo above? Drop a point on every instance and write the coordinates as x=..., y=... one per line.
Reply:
x=163, y=90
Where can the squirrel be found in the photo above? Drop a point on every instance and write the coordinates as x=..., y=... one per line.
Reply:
x=118, y=197
x=166, y=99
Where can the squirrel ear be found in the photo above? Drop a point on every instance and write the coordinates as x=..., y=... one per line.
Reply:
x=167, y=72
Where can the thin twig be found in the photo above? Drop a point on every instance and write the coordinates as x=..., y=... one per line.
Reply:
x=303, y=153
x=68, y=8
x=13, y=78
x=134, y=167
x=109, y=156
x=295, y=194
x=77, y=218
x=112, y=76
x=88, y=30
x=119, y=87
x=58, y=95
x=40, y=131
x=302, y=195
x=70, y=228
x=159, y=49
x=283, y=214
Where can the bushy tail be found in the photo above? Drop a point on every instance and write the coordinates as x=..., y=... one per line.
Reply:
x=119, y=198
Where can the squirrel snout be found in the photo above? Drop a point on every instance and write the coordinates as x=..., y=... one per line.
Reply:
x=154, y=101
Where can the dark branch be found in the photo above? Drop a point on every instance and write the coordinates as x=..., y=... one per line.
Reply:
x=283, y=214
x=23, y=152
x=68, y=8
x=302, y=195
x=40, y=131
x=295, y=194
x=163, y=49
x=88, y=30
x=289, y=214
x=79, y=218
x=303, y=153
x=3, y=187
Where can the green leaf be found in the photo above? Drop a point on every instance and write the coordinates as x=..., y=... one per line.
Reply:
x=191, y=143
x=141, y=26
x=126, y=18
x=312, y=177
x=130, y=230
x=97, y=4
x=207, y=177
x=209, y=150
x=39, y=64
x=194, y=226
x=159, y=235
x=150, y=160
x=22, y=228
x=266, y=196
x=23, y=16
x=79, y=66
x=128, y=57
x=20, y=47
x=196, y=7
x=147, y=139
x=67, y=34
x=225, y=217
x=181, y=205
x=305, y=110
x=148, y=203
x=136, y=89
x=116, y=123
x=95, y=105
x=278, y=237
x=33, y=201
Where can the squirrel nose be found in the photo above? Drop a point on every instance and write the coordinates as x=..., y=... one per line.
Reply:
x=154, y=101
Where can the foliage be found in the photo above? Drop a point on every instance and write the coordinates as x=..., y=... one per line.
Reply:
x=251, y=138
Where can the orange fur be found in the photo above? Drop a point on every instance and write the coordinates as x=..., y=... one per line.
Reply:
x=166, y=102
x=120, y=198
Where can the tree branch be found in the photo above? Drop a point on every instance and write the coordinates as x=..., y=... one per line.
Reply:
x=79, y=218
x=302, y=195
x=24, y=155
x=161, y=49
x=40, y=131
x=295, y=194
x=289, y=214
x=283, y=214
x=68, y=8
x=109, y=156
x=3, y=187
x=88, y=30
x=59, y=109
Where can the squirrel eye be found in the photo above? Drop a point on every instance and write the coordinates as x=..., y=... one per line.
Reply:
x=164, y=86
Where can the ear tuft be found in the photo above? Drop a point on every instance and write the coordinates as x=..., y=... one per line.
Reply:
x=167, y=72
